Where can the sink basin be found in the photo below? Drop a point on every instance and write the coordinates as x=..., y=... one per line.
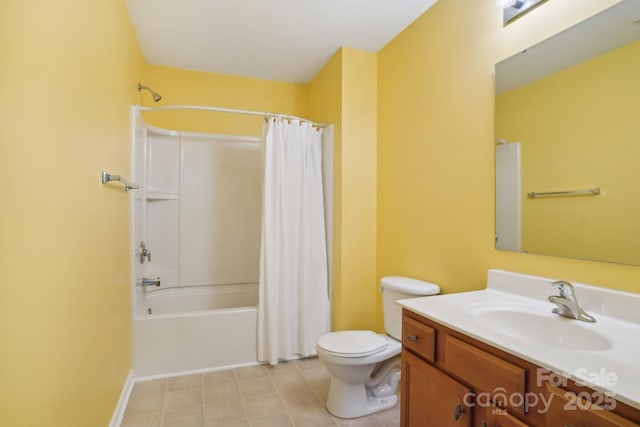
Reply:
x=542, y=328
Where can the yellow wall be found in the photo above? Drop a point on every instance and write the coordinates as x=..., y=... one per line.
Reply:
x=344, y=94
x=435, y=164
x=359, y=293
x=185, y=87
x=436, y=151
x=324, y=104
x=598, y=150
x=68, y=75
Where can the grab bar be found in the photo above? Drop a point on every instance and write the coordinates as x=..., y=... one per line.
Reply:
x=587, y=192
x=128, y=185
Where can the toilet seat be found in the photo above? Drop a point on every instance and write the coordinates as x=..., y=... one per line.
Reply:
x=352, y=343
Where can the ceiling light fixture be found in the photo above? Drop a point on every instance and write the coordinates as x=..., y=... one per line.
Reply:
x=513, y=9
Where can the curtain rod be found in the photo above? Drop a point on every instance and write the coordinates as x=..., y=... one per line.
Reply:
x=229, y=110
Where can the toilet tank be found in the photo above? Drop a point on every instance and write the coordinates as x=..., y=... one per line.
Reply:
x=398, y=287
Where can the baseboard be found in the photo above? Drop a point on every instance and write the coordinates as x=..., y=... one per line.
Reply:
x=194, y=371
x=118, y=414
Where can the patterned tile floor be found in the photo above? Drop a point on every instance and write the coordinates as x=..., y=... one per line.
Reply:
x=288, y=394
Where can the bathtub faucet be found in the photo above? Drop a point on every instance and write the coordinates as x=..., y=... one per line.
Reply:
x=149, y=281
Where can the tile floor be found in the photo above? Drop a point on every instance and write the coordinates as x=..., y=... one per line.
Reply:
x=289, y=394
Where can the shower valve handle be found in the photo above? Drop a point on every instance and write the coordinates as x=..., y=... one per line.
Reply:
x=144, y=252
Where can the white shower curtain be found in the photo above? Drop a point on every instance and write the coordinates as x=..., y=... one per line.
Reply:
x=293, y=310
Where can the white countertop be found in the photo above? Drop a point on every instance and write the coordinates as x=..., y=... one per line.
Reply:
x=613, y=368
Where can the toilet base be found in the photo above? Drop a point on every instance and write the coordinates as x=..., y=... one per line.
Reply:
x=347, y=400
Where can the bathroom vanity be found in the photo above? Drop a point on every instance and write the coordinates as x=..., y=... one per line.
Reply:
x=500, y=357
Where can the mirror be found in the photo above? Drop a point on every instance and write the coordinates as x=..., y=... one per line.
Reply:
x=568, y=142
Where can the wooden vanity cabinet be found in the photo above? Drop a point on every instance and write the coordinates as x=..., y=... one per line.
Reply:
x=450, y=379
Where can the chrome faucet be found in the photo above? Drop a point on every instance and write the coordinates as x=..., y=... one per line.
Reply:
x=567, y=303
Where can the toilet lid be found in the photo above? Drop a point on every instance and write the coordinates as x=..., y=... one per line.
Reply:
x=352, y=343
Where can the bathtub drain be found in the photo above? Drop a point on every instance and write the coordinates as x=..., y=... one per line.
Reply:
x=149, y=310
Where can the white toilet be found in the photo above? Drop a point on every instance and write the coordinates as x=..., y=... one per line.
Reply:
x=365, y=366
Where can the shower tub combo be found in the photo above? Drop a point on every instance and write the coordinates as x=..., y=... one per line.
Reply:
x=195, y=232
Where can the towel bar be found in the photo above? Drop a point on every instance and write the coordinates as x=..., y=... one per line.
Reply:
x=587, y=192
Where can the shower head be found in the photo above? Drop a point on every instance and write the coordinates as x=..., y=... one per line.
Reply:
x=156, y=96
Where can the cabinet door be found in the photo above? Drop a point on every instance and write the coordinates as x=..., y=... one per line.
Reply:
x=496, y=417
x=569, y=409
x=430, y=398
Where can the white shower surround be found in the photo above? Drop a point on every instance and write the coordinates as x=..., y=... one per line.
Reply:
x=204, y=288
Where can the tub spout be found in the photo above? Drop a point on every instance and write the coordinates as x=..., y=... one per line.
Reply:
x=149, y=281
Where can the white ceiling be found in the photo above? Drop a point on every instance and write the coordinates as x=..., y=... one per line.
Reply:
x=287, y=40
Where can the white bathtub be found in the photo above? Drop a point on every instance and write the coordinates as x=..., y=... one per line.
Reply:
x=189, y=329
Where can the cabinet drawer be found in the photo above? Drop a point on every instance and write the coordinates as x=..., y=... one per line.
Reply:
x=419, y=338
x=486, y=373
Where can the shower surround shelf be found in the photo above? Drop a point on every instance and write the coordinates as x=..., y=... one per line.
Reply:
x=162, y=196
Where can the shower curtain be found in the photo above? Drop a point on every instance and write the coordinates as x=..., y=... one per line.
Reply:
x=293, y=309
